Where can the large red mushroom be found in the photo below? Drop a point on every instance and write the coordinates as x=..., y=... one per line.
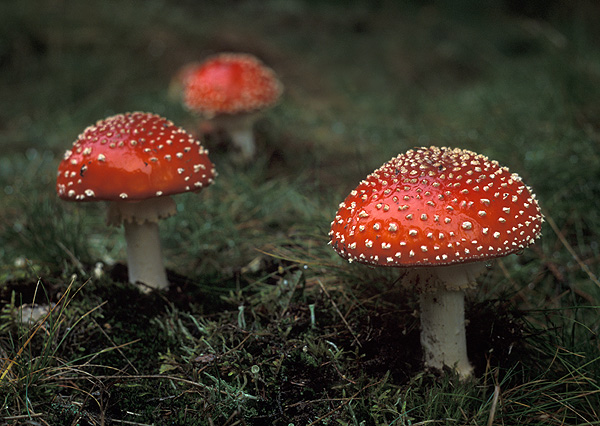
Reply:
x=230, y=89
x=442, y=213
x=135, y=161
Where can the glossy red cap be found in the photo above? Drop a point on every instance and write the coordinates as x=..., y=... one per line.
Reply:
x=436, y=206
x=230, y=83
x=133, y=156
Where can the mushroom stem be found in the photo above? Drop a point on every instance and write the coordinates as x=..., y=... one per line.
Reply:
x=243, y=139
x=144, y=255
x=443, y=336
x=239, y=127
x=443, y=333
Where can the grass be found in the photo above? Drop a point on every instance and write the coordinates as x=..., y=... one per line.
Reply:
x=263, y=323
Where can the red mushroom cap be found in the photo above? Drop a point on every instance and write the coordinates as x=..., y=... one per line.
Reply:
x=436, y=206
x=230, y=83
x=133, y=156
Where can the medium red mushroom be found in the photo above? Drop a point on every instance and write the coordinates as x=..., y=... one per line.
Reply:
x=443, y=213
x=135, y=161
x=230, y=88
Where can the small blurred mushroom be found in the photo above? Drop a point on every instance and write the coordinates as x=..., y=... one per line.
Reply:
x=230, y=89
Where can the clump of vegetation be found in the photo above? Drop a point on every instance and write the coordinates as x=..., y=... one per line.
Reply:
x=263, y=323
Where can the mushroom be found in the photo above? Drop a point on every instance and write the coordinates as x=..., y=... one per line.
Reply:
x=135, y=161
x=229, y=89
x=444, y=213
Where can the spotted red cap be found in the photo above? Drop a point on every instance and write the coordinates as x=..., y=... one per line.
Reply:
x=133, y=156
x=230, y=83
x=436, y=206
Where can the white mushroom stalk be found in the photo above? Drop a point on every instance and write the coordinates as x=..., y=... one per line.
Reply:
x=240, y=128
x=443, y=336
x=243, y=139
x=144, y=255
x=443, y=327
